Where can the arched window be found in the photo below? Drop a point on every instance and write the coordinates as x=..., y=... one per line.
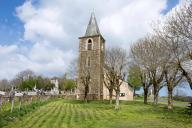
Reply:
x=89, y=44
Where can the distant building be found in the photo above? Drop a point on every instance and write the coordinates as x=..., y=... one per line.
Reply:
x=91, y=58
x=55, y=89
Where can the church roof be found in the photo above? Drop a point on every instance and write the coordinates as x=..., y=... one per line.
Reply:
x=92, y=28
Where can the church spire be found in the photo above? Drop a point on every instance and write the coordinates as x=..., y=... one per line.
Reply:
x=92, y=28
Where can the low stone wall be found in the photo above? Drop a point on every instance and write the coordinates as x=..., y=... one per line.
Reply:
x=182, y=98
x=89, y=97
x=68, y=96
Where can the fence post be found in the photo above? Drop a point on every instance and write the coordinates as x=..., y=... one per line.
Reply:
x=31, y=98
x=12, y=95
x=0, y=102
x=20, y=100
x=12, y=103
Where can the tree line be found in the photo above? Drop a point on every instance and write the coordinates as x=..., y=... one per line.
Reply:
x=164, y=57
x=27, y=80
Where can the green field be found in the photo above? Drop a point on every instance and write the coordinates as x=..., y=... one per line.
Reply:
x=76, y=114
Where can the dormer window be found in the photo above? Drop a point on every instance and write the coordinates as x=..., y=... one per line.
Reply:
x=89, y=44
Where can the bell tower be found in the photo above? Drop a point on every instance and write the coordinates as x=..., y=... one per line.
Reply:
x=91, y=58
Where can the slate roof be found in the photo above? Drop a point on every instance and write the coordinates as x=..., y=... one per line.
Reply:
x=92, y=28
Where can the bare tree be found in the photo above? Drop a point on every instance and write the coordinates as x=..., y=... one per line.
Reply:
x=175, y=35
x=26, y=74
x=179, y=26
x=22, y=76
x=138, y=58
x=141, y=78
x=73, y=69
x=146, y=83
x=5, y=85
x=109, y=81
x=116, y=61
x=149, y=54
x=85, y=80
x=172, y=78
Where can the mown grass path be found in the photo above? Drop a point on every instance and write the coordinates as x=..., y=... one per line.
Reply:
x=76, y=114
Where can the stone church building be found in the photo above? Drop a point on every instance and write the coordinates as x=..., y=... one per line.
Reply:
x=91, y=61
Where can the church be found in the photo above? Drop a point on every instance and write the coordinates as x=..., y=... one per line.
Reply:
x=91, y=60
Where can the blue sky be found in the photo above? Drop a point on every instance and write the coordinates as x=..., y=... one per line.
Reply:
x=11, y=28
x=181, y=90
x=170, y=5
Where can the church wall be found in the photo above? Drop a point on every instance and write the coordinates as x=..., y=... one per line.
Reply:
x=124, y=89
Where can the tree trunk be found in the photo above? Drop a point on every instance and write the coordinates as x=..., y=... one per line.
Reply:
x=134, y=92
x=86, y=93
x=145, y=95
x=117, y=100
x=155, y=100
x=170, y=98
x=156, y=94
x=12, y=104
x=85, y=98
x=110, y=96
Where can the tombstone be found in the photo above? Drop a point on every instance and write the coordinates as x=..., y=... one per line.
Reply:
x=35, y=88
x=2, y=93
x=1, y=100
x=77, y=97
x=31, y=93
x=19, y=95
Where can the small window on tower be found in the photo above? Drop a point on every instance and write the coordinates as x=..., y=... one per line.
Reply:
x=89, y=45
x=88, y=61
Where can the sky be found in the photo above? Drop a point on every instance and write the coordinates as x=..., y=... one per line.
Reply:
x=42, y=35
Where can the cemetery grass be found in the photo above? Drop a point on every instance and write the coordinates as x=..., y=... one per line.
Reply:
x=97, y=114
x=6, y=116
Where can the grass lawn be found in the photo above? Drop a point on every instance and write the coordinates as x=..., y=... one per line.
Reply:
x=75, y=114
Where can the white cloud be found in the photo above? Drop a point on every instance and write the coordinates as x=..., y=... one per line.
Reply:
x=11, y=61
x=5, y=50
x=132, y=21
x=45, y=60
x=41, y=23
x=50, y=59
x=53, y=27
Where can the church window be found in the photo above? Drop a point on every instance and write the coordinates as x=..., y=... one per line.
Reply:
x=88, y=61
x=89, y=44
x=122, y=94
